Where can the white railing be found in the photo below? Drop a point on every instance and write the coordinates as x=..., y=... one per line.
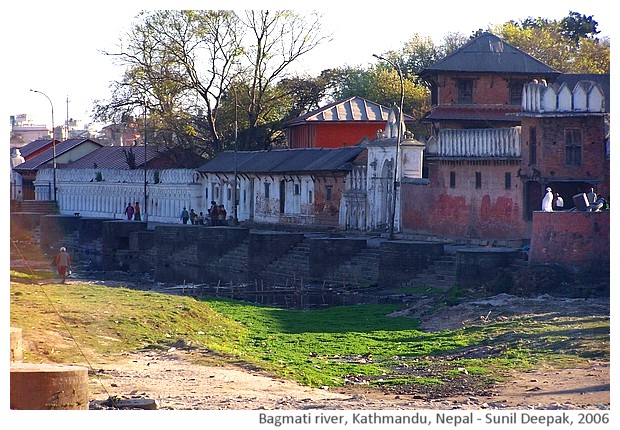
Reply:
x=485, y=142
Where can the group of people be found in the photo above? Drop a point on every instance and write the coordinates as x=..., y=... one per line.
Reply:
x=550, y=200
x=553, y=202
x=133, y=212
x=216, y=215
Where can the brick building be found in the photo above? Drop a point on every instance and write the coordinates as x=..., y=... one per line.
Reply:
x=504, y=126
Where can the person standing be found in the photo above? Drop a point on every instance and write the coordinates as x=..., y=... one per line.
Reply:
x=63, y=263
x=559, y=202
x=547, y=203
x=221, y=215
x=136, y=214
x=213, y=213
x=192, y=216
x=591, y=195
x=129, y=211
x=184, y=215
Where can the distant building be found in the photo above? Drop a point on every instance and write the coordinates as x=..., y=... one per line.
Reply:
x=40, y=155
x=24, y=131
x=302, y=186
x=120, y=134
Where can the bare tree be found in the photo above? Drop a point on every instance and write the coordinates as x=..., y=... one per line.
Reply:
x=279, y=38
x=179, y=64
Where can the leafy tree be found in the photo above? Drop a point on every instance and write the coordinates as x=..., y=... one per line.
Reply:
x=569, y=45
x=379, y=83
x=419, y=52
x=453, y=41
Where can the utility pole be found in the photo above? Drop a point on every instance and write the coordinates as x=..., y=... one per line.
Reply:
x=398, y=140
x=145, y=206
x=235, y=219
x=53, y=140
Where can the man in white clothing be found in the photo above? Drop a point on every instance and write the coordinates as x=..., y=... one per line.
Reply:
x=547, y=203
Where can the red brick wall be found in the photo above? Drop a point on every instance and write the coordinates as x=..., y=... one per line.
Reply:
x=577, y=240
x=550, y=149
x=492, y=211
x=488, y=90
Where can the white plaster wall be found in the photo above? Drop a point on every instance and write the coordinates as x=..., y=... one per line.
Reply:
x=79, y=191
x=380, y=183
x=253, y=204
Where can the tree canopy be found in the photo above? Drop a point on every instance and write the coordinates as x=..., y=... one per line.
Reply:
x=569, y=45
x=210, y=79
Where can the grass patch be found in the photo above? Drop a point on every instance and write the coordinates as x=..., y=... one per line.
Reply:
x=78, y=323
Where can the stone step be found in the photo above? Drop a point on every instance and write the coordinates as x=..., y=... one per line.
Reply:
x=36, y=206
x=440, y=273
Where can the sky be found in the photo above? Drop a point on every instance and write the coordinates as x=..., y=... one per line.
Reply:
x=71, y=37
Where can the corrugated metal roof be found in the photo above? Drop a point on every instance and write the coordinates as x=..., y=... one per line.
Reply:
x=488, y=53
x=47, y=156
x=283, y=160
x=113, y=157
x=35, y=146
x=348, y=110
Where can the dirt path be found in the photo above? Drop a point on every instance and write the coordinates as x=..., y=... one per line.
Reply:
x=175, y=382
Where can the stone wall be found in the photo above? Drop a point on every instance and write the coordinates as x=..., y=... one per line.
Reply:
x=482, y=264
x=579, y=241
x=327, y=254
x=183, y=252
x=399, y=261
x=116, y=253
x=266, y=247
x=57, y=231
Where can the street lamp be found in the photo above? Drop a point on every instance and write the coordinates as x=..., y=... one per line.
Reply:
x=53, y=140
x=146, y=203
x=398, y=139
x=235, y=218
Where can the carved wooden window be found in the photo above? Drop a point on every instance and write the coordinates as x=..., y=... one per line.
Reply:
x=516, y=92
x=465, y=91
x=573, y=147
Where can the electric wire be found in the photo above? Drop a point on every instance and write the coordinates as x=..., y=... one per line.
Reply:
x=65, y=325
